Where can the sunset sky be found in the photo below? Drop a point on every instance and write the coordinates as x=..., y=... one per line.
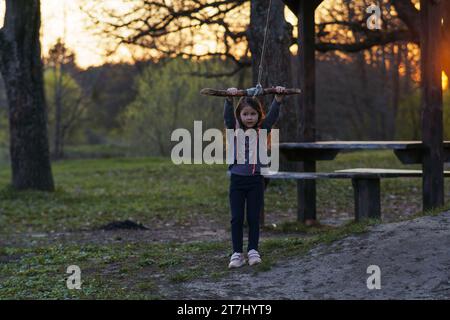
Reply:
x=71, y=26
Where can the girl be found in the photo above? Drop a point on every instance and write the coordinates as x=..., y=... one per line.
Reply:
x=246, y=182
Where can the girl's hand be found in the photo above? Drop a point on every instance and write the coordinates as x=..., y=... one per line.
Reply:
x=232, y=91
x=278, y=97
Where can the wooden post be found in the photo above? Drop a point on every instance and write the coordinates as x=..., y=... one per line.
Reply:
x=306, y=189
x=367, y=198
x=432, y=122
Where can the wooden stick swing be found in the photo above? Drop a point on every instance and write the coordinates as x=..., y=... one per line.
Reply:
x=248, y=92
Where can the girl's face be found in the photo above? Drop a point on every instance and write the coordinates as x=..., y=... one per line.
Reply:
x=249, y=116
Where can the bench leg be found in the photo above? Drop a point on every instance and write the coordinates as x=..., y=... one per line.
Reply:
x=367, y=198
x=306, y=200
x=306, y=194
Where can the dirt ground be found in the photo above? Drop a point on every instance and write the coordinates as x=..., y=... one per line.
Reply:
x=413, y=257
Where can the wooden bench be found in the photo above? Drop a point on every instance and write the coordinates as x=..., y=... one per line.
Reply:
x=365, y=182
x=408, y=152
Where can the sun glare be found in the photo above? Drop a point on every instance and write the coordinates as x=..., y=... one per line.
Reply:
x=444, y=81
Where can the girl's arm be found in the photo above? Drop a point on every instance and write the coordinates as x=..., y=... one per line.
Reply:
x=228, y=110
x=272, y=115
x=228, y=114
x=274, y=111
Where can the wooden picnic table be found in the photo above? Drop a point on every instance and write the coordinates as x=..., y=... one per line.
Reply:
x=408, y=152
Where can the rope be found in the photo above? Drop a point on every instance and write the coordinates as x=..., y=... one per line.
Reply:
x=260, y=69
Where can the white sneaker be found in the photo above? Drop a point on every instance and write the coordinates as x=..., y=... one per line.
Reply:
x=253, y=257
x=237, y=260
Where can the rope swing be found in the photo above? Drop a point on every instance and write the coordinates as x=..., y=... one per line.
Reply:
x=258, y=90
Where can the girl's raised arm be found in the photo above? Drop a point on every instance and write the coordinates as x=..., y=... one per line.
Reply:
x=274, y=112
x=228, y=114
x=228, y=111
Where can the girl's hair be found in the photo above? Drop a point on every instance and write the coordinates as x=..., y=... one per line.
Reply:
x=252, y=103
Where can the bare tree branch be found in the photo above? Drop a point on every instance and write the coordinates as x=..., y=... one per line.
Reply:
x=365, y=38
x=76, y=113
x=376, y=38
x=209, y=75
x=164, y=28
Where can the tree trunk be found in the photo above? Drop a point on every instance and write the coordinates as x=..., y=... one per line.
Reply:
x=57, y=150
x=367, y=104
x=21, y=68
x=277, y=64
x=407, y=86
x=383, y=104
x=396, y=58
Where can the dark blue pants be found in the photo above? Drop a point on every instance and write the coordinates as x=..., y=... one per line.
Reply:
x=246, y=190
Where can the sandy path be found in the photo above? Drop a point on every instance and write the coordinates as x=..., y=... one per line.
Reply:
x=414, y=258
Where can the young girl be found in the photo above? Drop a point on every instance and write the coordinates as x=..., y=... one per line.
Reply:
x=246, y=182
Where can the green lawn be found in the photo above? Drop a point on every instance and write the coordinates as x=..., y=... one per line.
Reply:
x=153, y=191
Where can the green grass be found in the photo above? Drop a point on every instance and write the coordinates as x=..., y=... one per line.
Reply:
x=90, y=193
x=153, y=191
x=96, y=151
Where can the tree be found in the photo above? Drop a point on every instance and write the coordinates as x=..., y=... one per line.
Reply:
x=66, y=100
x=21, y=68
x=104, y=86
